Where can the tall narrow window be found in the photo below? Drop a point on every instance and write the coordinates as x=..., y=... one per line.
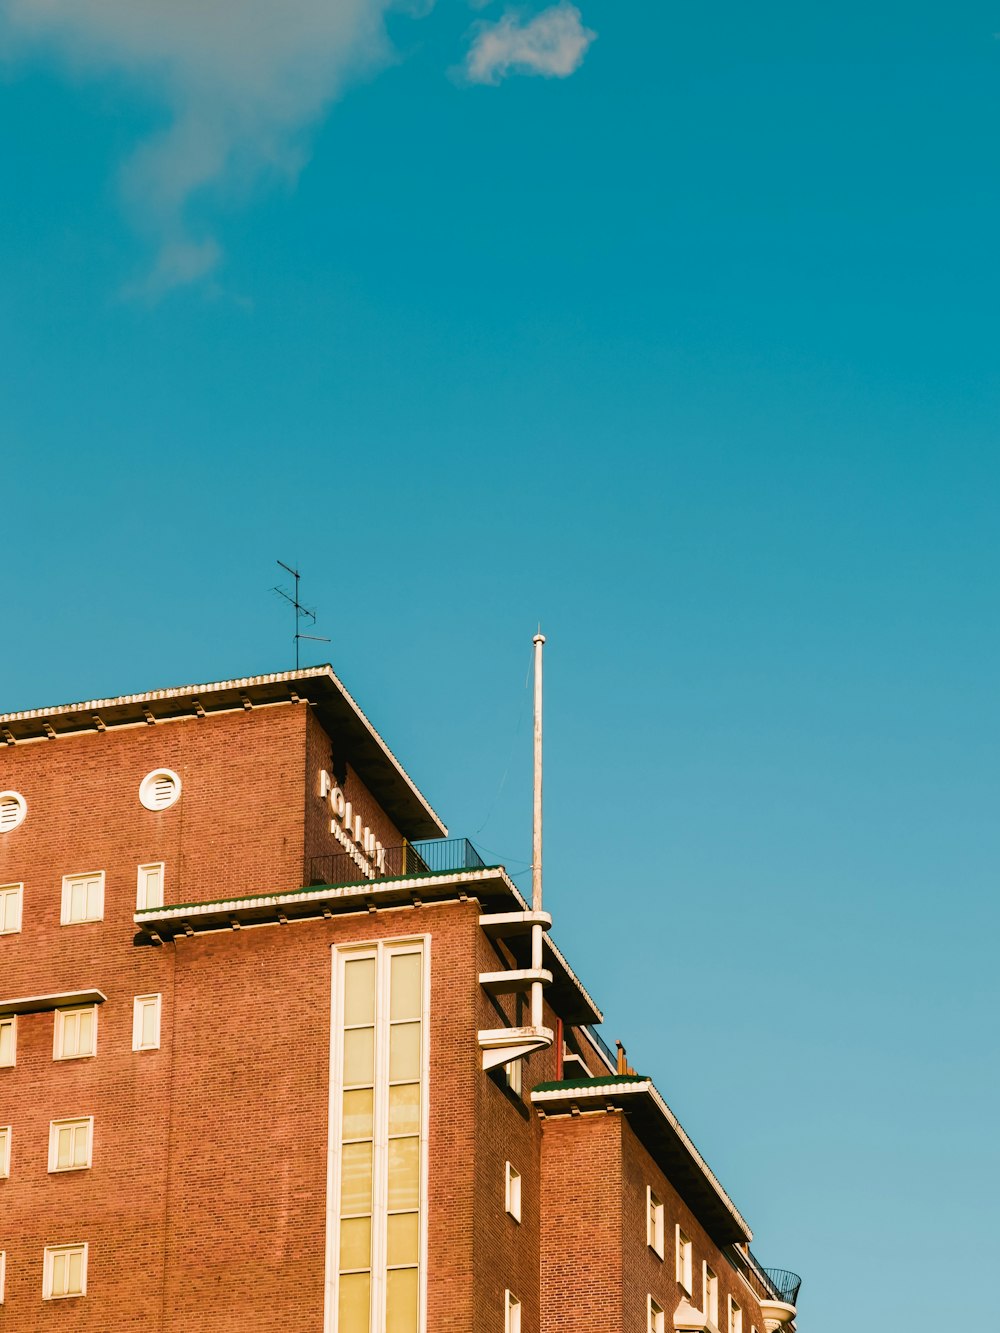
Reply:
x=4, y=1151
x=735, y=1317
x=70, y=1144
x=75, y=1033
x=3, y=1273
x=149, y=886
x=711, y=1295
x=146, y=1023
x=512, y=1193
x=8, y=1041
x=11, y=897
x=684, y=1261
x=654, y=1223
x=655, y=1317
x=512, y=1313
x=65, y=1271
x=380, y=1072
x=82, y=898
x=512, y=1073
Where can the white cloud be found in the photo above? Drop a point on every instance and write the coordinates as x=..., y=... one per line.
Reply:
x=242, y=81
x=553, y=44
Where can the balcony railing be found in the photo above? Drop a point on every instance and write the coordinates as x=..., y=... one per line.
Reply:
x=437, y=856
x=772, y=1283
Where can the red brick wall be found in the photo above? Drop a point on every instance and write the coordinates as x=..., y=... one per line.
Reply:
x=581, y=1238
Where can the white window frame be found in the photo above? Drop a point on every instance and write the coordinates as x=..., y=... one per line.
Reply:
x=51, y=1251
x=513, y=1075
x=138, y=1004
x=512, y=1192
x=10, y=1020
x=58, y=1032
x=85, y=1122
x=710, y=1295
x=654, y=1222
x=9, y=893
x=3, y=1274
x=656, y=1320
x=141, y=896
x=735, y=1315
x=67, y=897
x=685, y=1274
x=511, y=1312
x=6, y=1131
x=378, y=949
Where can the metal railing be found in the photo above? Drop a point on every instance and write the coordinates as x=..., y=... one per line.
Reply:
x=437, y=856
x=603, y=1046
x=772, y=1283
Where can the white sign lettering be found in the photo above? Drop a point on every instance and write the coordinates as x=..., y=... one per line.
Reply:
x=355, y=837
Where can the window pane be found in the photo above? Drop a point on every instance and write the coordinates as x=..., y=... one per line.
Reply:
x=355, y=1301
x=80, y=1145
x=355, y=1178
x=6, y=1043
x=359, y=1056
x=149, y=1022
x=404, y=1173
x=402, y=1239
x=85, y=1040
x=356, y=1243
x=359, y=992
x=75, y=1279
x=58, y=1274
x=401, y=1301
x=404, y=1052
x=404, y=986
x=64, y=1155
x=358, y=1114
x=404, y=1109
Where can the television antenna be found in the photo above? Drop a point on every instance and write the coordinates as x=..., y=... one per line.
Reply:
x=301, y=612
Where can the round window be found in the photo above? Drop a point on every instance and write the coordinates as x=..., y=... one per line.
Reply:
x=13, y=808
x=160, y=789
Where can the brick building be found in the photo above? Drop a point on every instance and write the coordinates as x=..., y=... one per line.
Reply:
x=267, y=1060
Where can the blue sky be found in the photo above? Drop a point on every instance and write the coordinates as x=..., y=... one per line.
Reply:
x=672, y=327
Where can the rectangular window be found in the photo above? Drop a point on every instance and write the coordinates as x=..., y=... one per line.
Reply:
x=711, y=1283
x=3, y=1273
x=735, y=1317
x=11, y=898
x=512, y=1074
x=512, y=1313
x=654, y=1223
x=684, y=1261
x=71, y=1144
x=512, y=1193
x=656, y=1322
x=8, y=1041
x=149, y=888
x=82, y=898
x=4, y=1151
x=75, y=1033
x=146, y=1023
x=378, y=1123
x=65, y=1272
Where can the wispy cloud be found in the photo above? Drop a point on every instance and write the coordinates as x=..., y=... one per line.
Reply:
x=553, y=44
x=242, y=82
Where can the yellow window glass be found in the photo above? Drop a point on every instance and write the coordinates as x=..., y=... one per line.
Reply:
x=401, y=1301
x=356, y=1243
x=353, y=1315
x=355, y=1178
x=404, y=1173
x=402, y=1239
x=404, y=1053
x=359, y=992
x=359, y=1107
x=404, y=1108
x=404, y=986
x=359, y=1056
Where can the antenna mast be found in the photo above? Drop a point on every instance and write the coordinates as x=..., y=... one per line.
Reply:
x=536, y=839
x=300, y=611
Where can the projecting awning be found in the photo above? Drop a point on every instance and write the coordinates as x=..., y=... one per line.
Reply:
x=40, y=1004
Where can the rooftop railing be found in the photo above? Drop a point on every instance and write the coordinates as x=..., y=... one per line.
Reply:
x=772, y=1283
x=437, y=856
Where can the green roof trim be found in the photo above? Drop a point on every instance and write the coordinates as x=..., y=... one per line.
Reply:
x=362, y=885
x=566, y=1084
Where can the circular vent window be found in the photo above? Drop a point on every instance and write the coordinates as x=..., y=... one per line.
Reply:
x=13, y=808
x=159, y=789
